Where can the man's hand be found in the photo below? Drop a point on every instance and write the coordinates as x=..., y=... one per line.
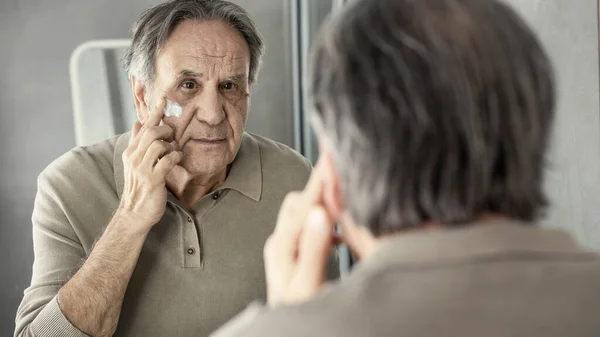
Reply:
x=147, y=161
x=296, y=253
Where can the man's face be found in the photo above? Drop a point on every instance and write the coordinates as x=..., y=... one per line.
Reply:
x=204, y=67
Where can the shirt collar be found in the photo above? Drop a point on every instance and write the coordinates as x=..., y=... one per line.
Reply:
x=245, y=174
x=479, y=240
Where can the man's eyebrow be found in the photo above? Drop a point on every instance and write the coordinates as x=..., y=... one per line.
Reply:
x=189, y=73
x=236, y=78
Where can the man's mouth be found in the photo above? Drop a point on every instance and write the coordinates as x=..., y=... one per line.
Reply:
x=209, y=141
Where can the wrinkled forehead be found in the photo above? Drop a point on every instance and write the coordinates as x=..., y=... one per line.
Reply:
x=208, y=47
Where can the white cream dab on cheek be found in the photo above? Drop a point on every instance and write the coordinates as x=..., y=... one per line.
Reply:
x=173, y=109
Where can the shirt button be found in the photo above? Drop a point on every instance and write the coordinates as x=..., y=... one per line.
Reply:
x=215, y=196
x=189, y=219
x=191, y=251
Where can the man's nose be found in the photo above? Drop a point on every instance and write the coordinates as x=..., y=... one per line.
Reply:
x=210, y=107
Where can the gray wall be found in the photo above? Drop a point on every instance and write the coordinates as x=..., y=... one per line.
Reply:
x=36, y=126
x=569, y=31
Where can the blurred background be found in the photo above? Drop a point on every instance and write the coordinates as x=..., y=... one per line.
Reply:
x=61, y=86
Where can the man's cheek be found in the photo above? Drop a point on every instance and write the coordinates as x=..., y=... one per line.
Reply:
x=177, y=128
x=173, y=110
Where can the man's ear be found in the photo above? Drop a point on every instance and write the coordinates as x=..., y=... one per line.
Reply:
x=331, y=186
x=138, y=88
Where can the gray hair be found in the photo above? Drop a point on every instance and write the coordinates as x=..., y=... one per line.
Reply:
x=436, y=110
x=154, y=26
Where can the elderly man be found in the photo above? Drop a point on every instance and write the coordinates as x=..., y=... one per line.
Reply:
x=159, y=232
x=433, y=118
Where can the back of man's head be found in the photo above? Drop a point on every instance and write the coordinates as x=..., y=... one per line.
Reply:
x=436, y=110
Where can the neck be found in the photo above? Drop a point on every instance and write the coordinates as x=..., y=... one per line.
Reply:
x=189, y=188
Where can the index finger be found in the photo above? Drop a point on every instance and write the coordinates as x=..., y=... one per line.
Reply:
x=155, y=116
x=314, y=248
x=314, y=186
x=134, y=131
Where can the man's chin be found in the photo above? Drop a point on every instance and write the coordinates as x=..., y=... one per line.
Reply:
x=206, y=160
x=202, y=169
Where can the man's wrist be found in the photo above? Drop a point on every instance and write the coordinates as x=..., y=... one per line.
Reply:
x=130, y=223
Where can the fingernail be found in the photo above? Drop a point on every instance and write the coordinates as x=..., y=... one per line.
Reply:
x=317, y=220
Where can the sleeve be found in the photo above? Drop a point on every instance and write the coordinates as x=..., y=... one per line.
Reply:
x=239, y=325
x=258, y=320
x=58, y=254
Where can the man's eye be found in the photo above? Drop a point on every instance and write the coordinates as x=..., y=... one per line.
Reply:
x=188, y=85
x=228, y=86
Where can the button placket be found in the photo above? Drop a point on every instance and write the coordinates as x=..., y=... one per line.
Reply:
x=191, y=245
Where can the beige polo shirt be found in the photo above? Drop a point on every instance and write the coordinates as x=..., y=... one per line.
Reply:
x=198, y=267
